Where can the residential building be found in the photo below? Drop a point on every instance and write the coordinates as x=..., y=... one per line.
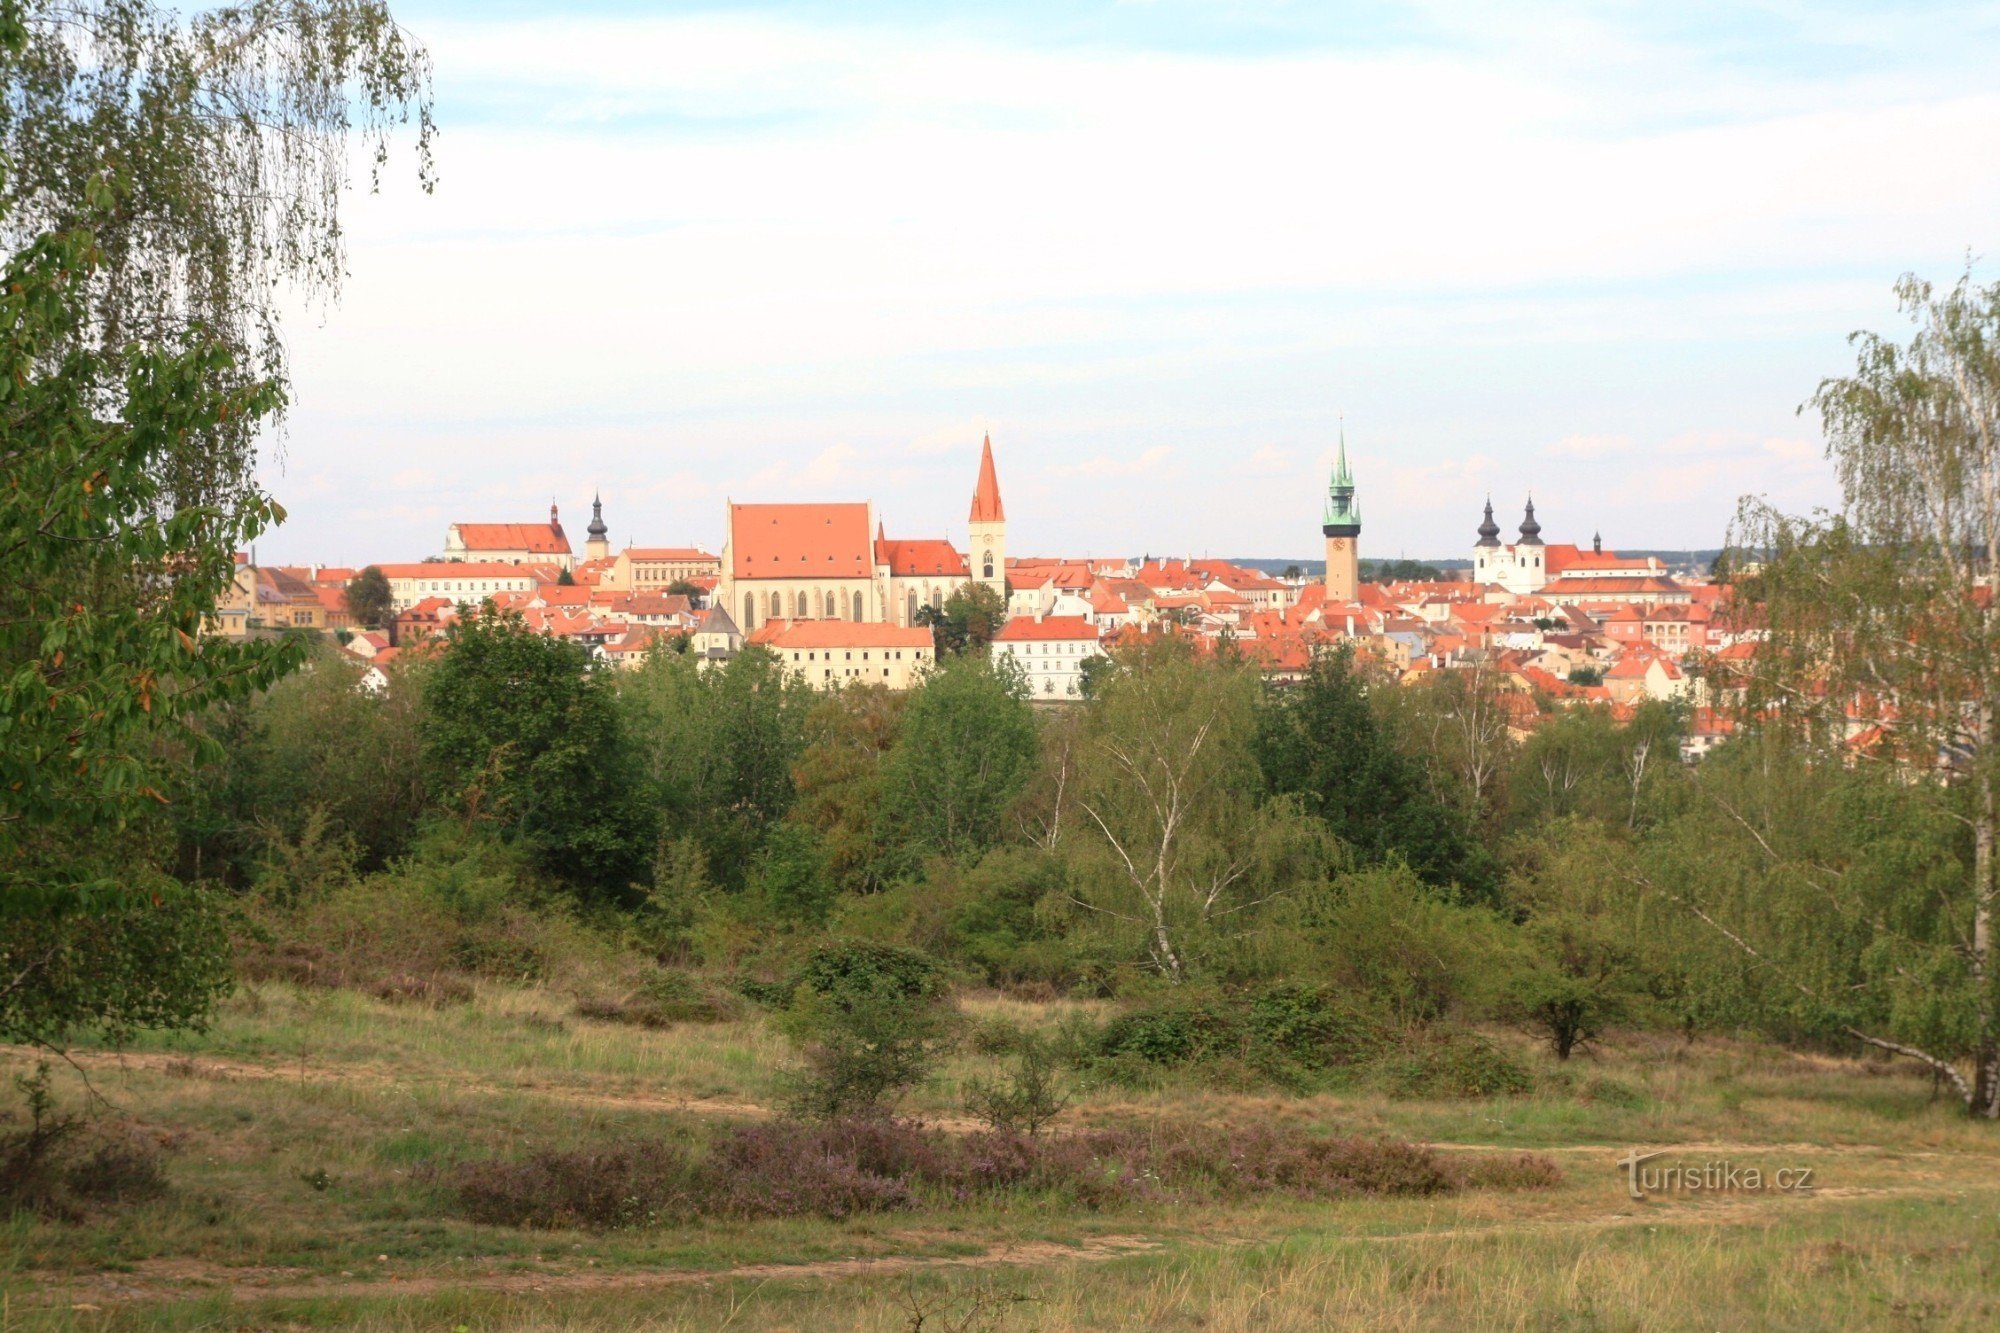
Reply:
x=1050, y=652
x=831, y=654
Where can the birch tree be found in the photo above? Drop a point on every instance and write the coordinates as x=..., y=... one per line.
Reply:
x=1883, y=647
x=1176, y=844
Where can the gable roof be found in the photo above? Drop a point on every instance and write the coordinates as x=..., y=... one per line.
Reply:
x=534, y=538
x=799, y=541
x=920, y=556
x=838, y=634
x=1025, y=629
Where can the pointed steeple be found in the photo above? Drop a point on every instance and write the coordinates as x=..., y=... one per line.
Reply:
x=1489, y=531
x=986, y=506
x=596, y=531
x=1597, y=543
x=1531, y=531
x=1342, y=511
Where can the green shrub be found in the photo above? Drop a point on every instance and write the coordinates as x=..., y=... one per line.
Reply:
x=869, y=1022
x=1028, y=1097
x=1175, y=1032
x=1446, y=1064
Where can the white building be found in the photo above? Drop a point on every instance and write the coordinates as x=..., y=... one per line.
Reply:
x=468, y=582
x=1050, y=652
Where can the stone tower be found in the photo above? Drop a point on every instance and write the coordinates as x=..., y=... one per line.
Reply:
x=988, y=528
x=598, y=545
x=1343, y=531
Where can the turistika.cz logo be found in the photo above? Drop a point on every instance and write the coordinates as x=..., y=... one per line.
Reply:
x=1711, y=1177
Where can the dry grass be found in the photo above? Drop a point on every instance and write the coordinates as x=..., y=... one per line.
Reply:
x=308, y=1121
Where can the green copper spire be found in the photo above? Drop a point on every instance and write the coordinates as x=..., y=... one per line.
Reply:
x=1341, y=509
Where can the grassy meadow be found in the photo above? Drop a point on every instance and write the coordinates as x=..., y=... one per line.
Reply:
x=302, y=1137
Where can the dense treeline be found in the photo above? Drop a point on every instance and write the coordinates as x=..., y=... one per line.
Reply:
x=1189, y=831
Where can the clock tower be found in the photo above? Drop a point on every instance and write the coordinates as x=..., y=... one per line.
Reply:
x=1342, y=527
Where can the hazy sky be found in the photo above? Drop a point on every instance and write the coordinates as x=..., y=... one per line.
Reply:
x=814, y=251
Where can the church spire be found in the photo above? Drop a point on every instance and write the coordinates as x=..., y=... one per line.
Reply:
x=1489, y=531
x=986, y=507
x=597, y=530
x=1341, y=509
x=1531, y=531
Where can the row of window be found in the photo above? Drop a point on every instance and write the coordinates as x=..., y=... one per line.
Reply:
x=847, y=655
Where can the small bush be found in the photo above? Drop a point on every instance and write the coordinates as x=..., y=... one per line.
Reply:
x=122, y=1169
x=633, y=1185
x=870, y=1021
x=1174, y=1033
x=664, y=999
x=1522, y=1171
x=1028, y=1097
x=1444, y=1064
x=56, y=1164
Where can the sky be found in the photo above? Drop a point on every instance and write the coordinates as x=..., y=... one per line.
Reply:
x=1164, y=253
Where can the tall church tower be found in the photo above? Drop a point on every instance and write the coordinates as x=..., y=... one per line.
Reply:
x=598, y=547
x=1343, y=531
x=988, y=528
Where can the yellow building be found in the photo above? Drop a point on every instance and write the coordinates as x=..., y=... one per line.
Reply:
x=831, y=654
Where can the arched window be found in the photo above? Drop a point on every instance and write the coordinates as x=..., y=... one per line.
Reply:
x=800, y=602
x=911, y=619
x=986, y=566
x=777, y=606
x=829, y=606
x=749, y=611
x=857, y=608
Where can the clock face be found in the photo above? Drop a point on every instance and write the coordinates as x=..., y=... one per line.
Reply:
x=1338, y=546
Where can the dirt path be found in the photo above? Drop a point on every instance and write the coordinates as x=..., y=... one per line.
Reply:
x=177, y=1279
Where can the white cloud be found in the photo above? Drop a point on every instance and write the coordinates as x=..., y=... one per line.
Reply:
x=1149, y=463
x=701, y=245
x=1589, y=446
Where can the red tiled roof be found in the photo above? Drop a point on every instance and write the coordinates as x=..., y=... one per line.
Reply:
x=534, y=538
x=1025, y=629
x=838, y=634
x=921, y=556
x=804, y=541
x=1611, y=586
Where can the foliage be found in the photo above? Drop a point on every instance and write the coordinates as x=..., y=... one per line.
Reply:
x=1883, y=614
x=227, y=137
x=1025, y=1099
x=965, y=748
x=369, y=598
x=839, y=778
x=1319, y=740
x=519, y=730
x=57, y=1165
x=967, y=621
x=1174, y=850
x=870, y=1021
x=1398, y=944
x=715, y=749
x=1450, y=1064
x=1399, y=571
x=105, y=669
